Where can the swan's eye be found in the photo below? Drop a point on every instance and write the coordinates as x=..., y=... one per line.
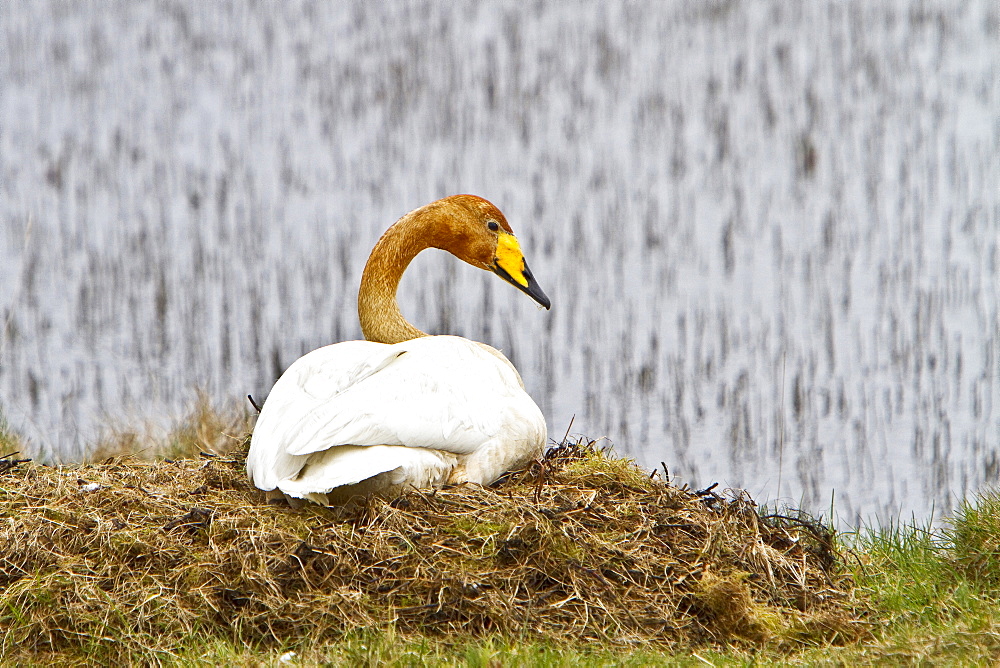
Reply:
x=493, y=226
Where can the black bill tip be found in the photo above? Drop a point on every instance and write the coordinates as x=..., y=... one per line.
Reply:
x=532, y=289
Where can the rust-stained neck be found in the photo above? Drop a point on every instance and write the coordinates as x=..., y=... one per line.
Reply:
x=378, y=311
x=463, y=225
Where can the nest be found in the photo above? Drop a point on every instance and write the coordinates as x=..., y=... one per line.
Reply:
x=580, y=547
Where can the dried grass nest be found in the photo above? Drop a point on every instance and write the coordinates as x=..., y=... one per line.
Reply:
x=582, y=546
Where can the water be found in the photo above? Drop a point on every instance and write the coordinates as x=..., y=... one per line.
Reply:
x=769, y=229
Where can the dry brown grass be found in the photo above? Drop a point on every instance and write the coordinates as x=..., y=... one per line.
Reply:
x=581, y=547
x=206, y=427
x=11, y=443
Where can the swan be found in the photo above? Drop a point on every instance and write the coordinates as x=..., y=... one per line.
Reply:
x=403, y=408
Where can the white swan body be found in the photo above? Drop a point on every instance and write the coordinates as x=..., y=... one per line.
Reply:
x=402, y=408
x=362, y=417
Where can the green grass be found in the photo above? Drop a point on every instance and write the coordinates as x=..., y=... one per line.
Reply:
x=385, y=650
x=937, y=591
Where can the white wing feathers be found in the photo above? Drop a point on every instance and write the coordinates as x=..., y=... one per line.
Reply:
x=350, y=464
x=444, y=397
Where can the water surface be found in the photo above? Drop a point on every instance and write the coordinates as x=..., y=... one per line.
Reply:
x=769, y=229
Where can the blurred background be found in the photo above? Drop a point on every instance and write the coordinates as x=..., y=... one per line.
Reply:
x=769, y=230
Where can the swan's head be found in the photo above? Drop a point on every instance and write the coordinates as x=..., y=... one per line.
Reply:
x=479, y=234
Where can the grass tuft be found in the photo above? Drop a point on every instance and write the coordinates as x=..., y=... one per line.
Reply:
x=933, y=591
x=206, y=428
x=10, y=442
x=975, y=534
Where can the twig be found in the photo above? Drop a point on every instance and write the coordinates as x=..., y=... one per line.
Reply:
x=8, y=462
x=195, y=518
x=541, y=478
x=566, y=435
x=253, y=403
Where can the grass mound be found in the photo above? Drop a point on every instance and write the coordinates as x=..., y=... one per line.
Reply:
x=580, y=547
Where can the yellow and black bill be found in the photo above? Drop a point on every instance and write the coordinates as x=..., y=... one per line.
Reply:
x=510, y=265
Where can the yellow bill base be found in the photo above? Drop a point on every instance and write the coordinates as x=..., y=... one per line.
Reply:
x=510, y=259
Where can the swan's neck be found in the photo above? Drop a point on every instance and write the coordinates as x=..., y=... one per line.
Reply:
x=381, y=319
